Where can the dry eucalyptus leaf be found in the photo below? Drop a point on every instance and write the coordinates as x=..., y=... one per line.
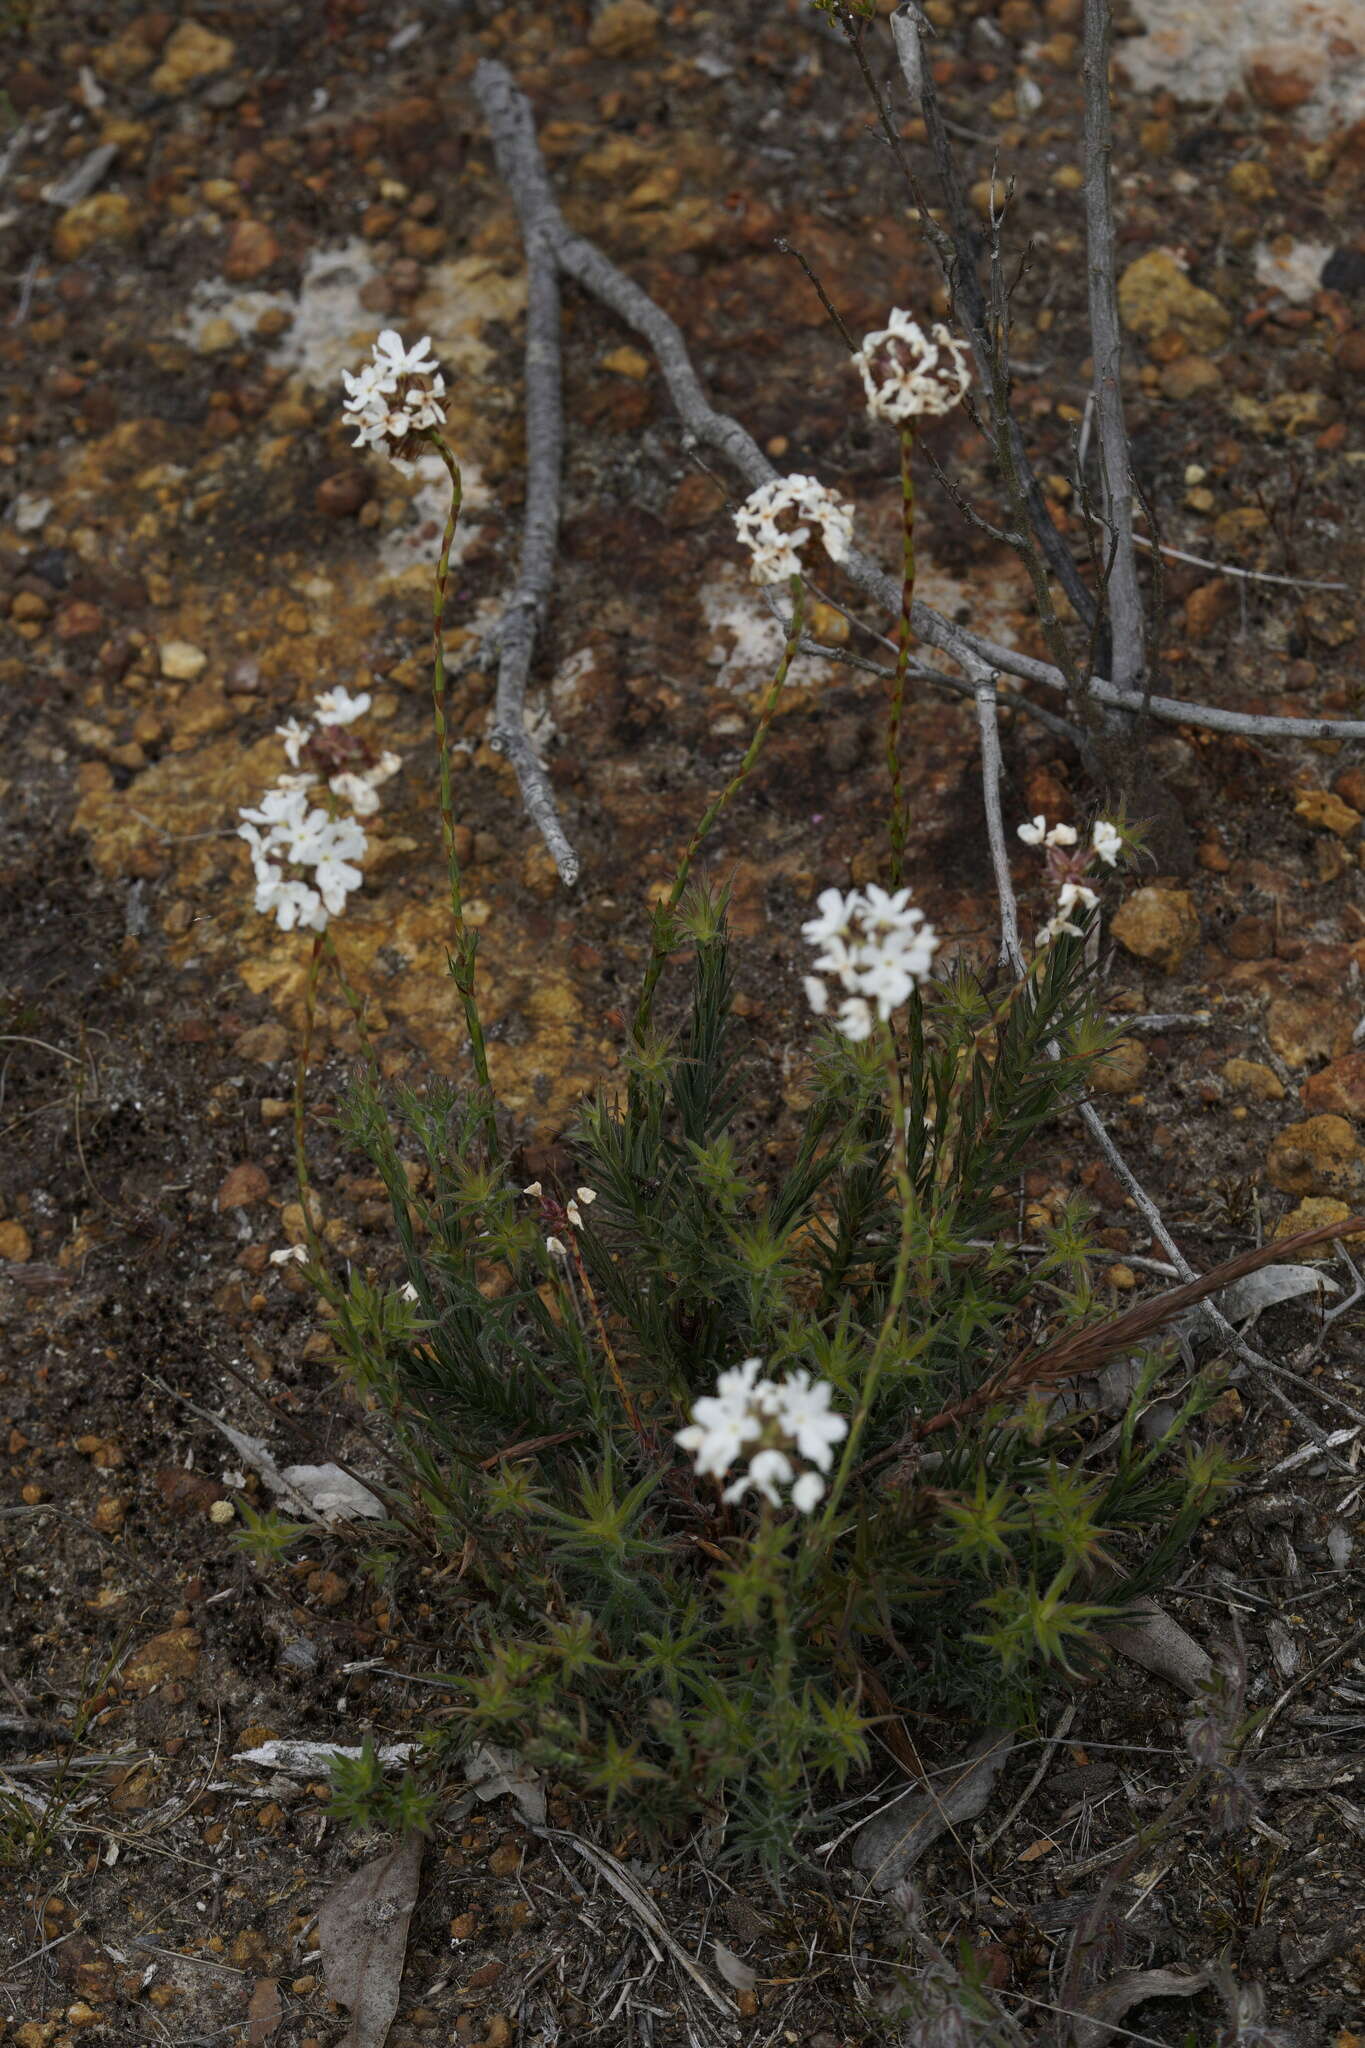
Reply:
x=363, y=1934
x=1162, y=1646
x=333, y=1493
x=1106, y=2008
x=1245, y=1299
x=264, y=2013
x=892, y=1842
x=492, y=1772
x=737, y=1974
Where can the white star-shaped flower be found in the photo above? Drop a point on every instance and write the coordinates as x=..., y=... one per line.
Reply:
x=340, y=707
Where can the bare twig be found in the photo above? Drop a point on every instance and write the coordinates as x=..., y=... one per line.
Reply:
x=1050, y=1747
x=1010, y=954
x=512, y=128
x=1126, y=622
x=1225, y=568
x=955, y=253
x=511, y=125
x=1155, y=1221
x=540, y=535
x=1060, y=728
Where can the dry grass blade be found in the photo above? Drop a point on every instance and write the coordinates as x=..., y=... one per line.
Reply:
x=363, y=1934
x=624, y=1886
x=1087, y=1350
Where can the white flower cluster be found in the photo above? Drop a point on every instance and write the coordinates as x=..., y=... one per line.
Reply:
x=303, y=856
x=1067, y=863
x=353, y=773
x=552, y=1212
x=394, y=400
x=766, y=1422
x=771, y=525
x=878, y=947
x=296, y=836
x=908, y=374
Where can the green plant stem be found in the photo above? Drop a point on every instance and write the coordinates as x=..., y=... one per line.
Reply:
x=897, y=710
x=663, y=931
x=310, y=1011
x=900, y=1279
x=353, y=999
x=465, y=951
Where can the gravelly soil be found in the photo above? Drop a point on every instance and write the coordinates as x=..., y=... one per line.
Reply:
x=176, y=474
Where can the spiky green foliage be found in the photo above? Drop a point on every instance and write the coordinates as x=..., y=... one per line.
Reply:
x=635, y=1634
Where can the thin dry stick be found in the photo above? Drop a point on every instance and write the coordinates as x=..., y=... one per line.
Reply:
x=1060, y=728
x=1011, y=955
x=1094, y=1124
x=525, y=608
x=1127, y=624
x=512, y=127
x=1087, y=1349
x=1226, y=569
x=955, y=253
x=465, y=952
x=904, y=642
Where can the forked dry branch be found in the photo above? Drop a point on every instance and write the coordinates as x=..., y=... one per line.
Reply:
x=550, y=242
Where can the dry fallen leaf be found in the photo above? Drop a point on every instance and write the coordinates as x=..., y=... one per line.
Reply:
x=1042, y=1847
x=1105, y=2008
x=736, y=1973
x=892, y=1842
x=264, y=2013
x=363, y=1935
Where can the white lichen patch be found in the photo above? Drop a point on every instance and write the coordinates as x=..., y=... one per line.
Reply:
x=1295, y=271
x=413, y=543
x=569, y=685
x=1201, y=50
x=744, y=638
x=212, y=302
x=460, y=298
x=331, y=329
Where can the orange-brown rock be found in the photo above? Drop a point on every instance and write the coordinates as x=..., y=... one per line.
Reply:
x=244, y=1184
x=341, y=495
x=1284, y=75
x=1325, y=810
x=1302, y=1027
x=105, y=217
x=1160, y=925
x=1253, y=1078
x=1322, y=1156
x=173, y=1654
x=1206, y=606
x=1312, y=1214
x=1338, y=1089
x=252, y=249
x=1122, y=1067
x=625, y=28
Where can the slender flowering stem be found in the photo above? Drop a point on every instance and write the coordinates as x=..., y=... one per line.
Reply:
x=647, y=1441
x=719, y=803
x=310, y=1008
x=463, y=957
x=893, y=727
x=900, y=1159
